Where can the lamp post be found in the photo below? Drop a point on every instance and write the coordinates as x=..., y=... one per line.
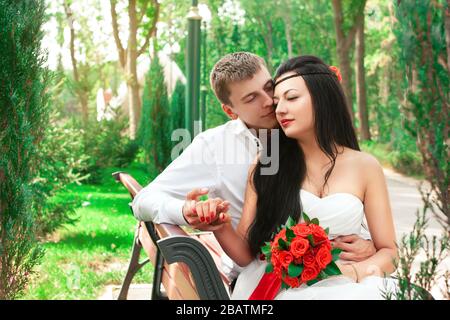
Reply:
x=193, y=69
x=203, y=87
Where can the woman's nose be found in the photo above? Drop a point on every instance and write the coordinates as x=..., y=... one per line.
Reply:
x=280, y=108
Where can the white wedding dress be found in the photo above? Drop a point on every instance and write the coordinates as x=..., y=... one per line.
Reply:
x=343, y=213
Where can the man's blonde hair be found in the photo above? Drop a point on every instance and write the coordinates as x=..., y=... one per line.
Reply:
x=233, y=67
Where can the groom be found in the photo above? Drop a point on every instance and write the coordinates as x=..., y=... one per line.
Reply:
x=217, y=161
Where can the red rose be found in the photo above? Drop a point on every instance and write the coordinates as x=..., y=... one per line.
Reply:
x=275, y=258
x=323, y=257
x=280, y=235
x=301, y=230
x=292, y=282
x=277, y=271
x=299, y=246
x=309, y=273
x=318, y=233
x=326, y=244
x=309, y=259
x=285, y=258
x=337, y=72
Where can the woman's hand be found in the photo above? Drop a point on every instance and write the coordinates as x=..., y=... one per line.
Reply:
x=206, y=215
x=195, y=213
x=347, y=270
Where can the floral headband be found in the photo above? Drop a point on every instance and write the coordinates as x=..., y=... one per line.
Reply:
x=334, y=69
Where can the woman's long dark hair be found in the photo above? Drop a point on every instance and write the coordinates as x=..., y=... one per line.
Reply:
x=279, y=194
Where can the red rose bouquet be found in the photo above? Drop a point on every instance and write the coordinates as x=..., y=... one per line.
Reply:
x=298, y=254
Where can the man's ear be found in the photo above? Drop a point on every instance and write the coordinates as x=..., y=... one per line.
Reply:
x=229, y=111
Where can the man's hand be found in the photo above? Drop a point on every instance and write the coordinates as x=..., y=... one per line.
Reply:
x=208, y=215
x=354, y=248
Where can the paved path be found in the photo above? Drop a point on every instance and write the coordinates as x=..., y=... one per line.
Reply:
x=405, y=201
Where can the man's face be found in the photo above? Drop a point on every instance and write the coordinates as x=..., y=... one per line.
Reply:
x=252, y=100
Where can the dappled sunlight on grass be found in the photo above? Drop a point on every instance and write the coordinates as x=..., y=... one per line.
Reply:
x=82, y=258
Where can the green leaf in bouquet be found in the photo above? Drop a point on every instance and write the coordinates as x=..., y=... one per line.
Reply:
x=311, y=240
x=266, y=250
x=283, y=244
x=291, y=222
x=269, y=267
x=290, y=234
x=327, y=231
x=203, y=197
x=311, y=282
x=315, y=221
x=294, y=270
x=284, y=285
x=332, y=269
x=335, y=253
x=306, y=218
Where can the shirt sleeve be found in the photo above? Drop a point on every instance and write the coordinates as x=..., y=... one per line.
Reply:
x=162, y=200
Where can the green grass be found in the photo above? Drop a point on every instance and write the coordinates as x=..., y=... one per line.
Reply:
x=81, y=259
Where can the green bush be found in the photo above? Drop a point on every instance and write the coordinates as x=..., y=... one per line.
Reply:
x=23, y=119
x=402, y=158
x=107, y=145
x=407, y=162
x=63, y=162
x=154, y=134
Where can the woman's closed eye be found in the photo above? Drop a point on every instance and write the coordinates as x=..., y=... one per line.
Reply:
x=291, y=98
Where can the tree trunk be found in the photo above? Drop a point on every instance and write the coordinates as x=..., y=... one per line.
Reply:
x=287, y=30
x=361, y=82
x=447, y=33
x=80, y=92
x=344, y=43
x=269, y=45
x=343, y=55
x=131, y=71
x=128, y=57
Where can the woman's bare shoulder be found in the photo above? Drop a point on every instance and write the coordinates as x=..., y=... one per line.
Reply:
x=361, y=160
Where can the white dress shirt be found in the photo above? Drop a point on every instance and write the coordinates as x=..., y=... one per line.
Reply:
x=218, y=159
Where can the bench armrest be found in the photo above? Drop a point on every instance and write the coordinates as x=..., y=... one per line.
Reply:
x=129, y=182
x=180, y=248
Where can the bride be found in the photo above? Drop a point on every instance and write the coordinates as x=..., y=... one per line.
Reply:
x=323, y=173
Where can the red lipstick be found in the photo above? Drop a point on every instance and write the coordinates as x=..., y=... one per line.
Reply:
x=286, y=122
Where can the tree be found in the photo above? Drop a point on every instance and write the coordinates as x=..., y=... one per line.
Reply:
x=447, y=31
x=361, y=80
x=128, y=56
x=82, y=88
x=177, y=106
x=345, y=35
x=154, y=129
x=420, y=32
x=23, y=117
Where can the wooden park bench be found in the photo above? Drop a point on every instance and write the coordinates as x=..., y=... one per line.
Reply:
x=187, y=265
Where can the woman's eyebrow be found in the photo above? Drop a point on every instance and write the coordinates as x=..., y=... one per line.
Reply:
x=284, y=93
